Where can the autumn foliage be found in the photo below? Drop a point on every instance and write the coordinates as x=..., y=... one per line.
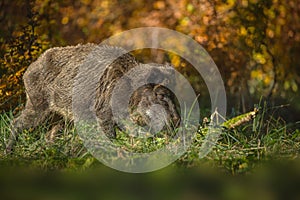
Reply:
x=255, y=44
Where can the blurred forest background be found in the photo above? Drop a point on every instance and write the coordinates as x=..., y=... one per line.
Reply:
x=255, y=44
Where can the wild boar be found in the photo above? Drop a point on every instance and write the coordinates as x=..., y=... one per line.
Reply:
x=49, y=84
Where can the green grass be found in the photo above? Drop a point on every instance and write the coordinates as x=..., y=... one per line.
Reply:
x=243, y=146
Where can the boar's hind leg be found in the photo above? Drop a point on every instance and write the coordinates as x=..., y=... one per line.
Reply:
x=30, y=117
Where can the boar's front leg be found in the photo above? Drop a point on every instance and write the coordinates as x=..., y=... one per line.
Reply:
x=107, y=124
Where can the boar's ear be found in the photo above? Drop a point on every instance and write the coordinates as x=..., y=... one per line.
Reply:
x=155, y=76
x=159, y=76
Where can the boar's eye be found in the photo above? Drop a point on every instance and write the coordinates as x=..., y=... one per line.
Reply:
x=159, y=96
x=148, y=113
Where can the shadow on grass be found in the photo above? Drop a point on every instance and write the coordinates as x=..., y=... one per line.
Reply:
x=272, y=180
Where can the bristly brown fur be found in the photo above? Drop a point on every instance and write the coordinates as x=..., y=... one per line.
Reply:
x=49, y=83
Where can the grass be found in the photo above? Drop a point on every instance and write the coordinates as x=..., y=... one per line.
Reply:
x=252, y=159
x=243, y=145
